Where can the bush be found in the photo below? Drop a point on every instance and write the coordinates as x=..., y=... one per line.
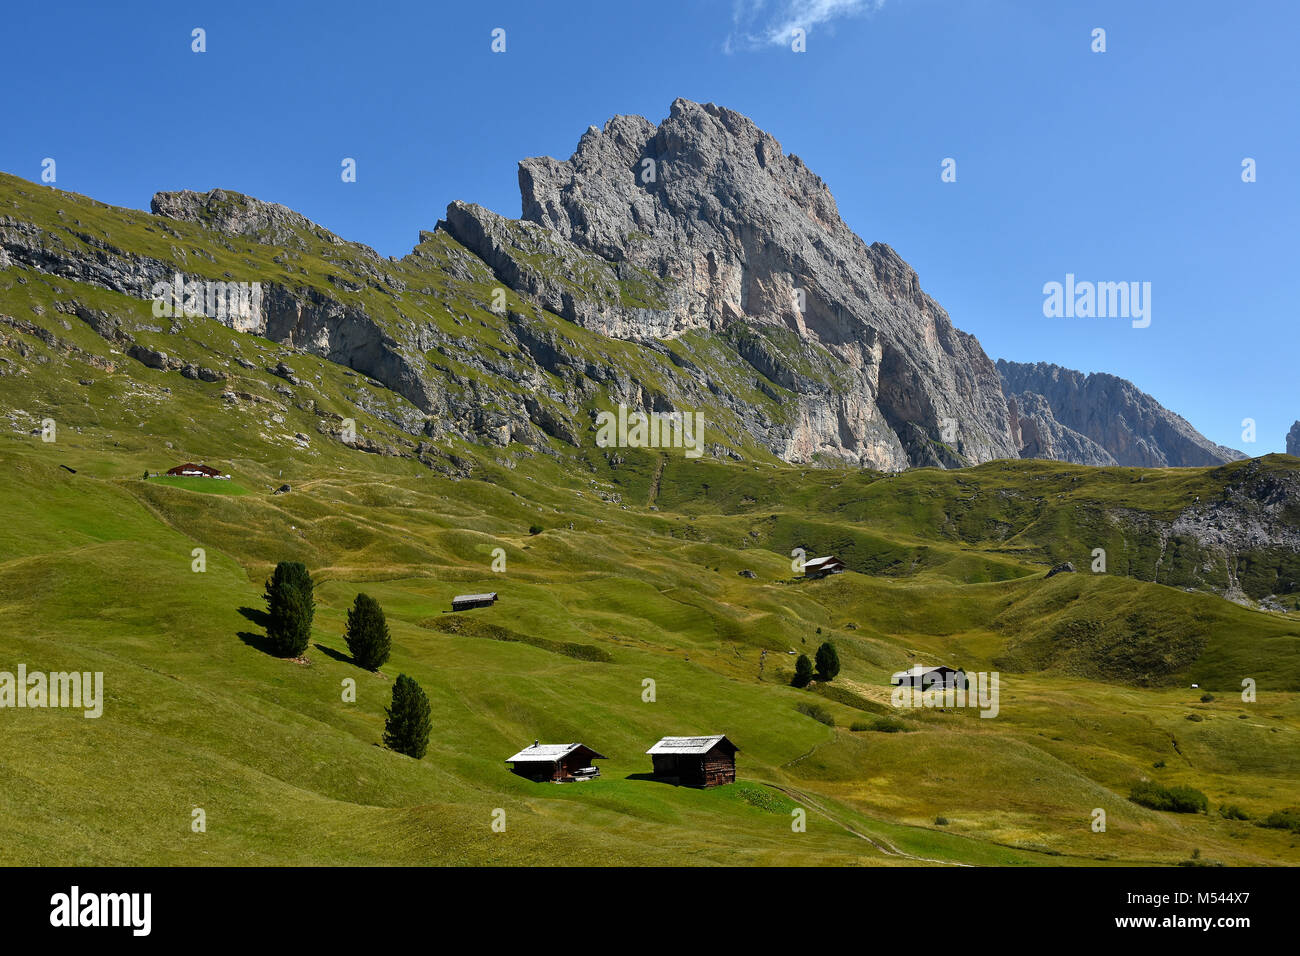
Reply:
x=1287, y=819
x=803, y=671
x=941, y=821
x=537, y=529
x=1230, y=811
x=409, y=719
x=367, y=634
x=1150, y=794
x=828, y=661
x=816, y=712
x=1195, y=717
x=290, y=607
x=881, y=725
x=1207, y=698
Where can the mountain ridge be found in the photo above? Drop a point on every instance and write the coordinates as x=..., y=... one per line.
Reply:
x=719, y=259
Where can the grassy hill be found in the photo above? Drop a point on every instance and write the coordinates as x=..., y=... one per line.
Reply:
x=634, y=575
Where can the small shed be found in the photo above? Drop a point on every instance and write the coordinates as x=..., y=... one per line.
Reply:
x=922, y=676
x=191, y=470
x=695, y=761
x=562, y=763
x=463, y=602
x=820, y=567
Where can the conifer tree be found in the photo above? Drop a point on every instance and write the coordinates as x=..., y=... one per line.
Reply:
x=803, y=671
x=290, y=607
x=409, y=719
x=367, y=634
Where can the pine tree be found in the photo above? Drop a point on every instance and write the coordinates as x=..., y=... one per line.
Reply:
x=828, y=661
x=290, y=607
x=367, y=634
x=803, y=671
x=409, y=720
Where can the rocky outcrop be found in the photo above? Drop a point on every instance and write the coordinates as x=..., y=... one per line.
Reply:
x=734, y=232
x=1039, y=435
x=1088, y=419
x=1293, y=440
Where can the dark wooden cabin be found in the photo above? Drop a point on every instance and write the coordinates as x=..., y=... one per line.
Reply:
x=820, y=567
x=191, y=470
x=922, y=676
x=463, y=602
x=562, y=763
x=695, y=761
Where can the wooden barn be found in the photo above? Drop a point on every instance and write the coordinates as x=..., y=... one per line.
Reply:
x=939, y=676
x=562, y=763
x=820, y=567
x=695, y=761
x=191, y=470
x=464, y=602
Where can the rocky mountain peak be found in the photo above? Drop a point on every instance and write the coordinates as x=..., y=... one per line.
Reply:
x=1293, y=440
x=234, y=214
x=737, y=234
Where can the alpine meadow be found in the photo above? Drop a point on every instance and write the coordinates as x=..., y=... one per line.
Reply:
x=673, y=487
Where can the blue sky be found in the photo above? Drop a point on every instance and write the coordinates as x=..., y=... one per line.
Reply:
x=1115, y=166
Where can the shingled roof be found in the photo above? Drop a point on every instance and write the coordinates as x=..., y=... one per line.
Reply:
x=688, y=745
x=548, y=753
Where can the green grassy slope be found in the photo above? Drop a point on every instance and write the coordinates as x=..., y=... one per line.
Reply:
x=634, y=576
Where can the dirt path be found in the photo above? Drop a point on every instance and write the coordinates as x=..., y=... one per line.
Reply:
x=654, y=482
x=881, y=844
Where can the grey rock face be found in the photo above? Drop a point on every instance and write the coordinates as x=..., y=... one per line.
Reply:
x=1040, y=435
x=1293, y=440
x=744, y=235
x=1110, y=414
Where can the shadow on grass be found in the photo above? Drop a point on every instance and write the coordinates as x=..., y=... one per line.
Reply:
x=337, y=655
x=259, y=641
x=256, y=616
x=651, y=778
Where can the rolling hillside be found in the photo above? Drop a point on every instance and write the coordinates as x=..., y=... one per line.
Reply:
x=633, y=575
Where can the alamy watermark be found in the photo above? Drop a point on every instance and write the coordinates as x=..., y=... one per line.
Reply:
x=960, y=689
x=73, y=689
x=237, y=304
x=651, y=430
x=1100, y=300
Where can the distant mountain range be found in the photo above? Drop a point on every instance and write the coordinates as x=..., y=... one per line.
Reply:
x=712, y=270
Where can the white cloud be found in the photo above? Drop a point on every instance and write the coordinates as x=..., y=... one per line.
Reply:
x=757, y=23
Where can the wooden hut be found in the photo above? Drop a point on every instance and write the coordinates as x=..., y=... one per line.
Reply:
x=191, y=470
x=463, y=602
x=695, y=761
x=923, y=676
x=820, y=567
x=562, y=763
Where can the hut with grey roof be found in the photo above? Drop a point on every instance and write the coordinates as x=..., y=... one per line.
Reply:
x=560, y=763
x=463, y=602
x=695, y=761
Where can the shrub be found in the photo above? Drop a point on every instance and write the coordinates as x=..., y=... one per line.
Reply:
x=1195, y=717
x=290, y=607
x=828, y=661
x=367, y=634
x=941, y=821
x=1206, y=698
x=409, y=719
x=535, y=529
x=803, y=671
x=816, y=712
x=882, y=725
x=1230, y=811
x=1150, y=794
x=1286, y=819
